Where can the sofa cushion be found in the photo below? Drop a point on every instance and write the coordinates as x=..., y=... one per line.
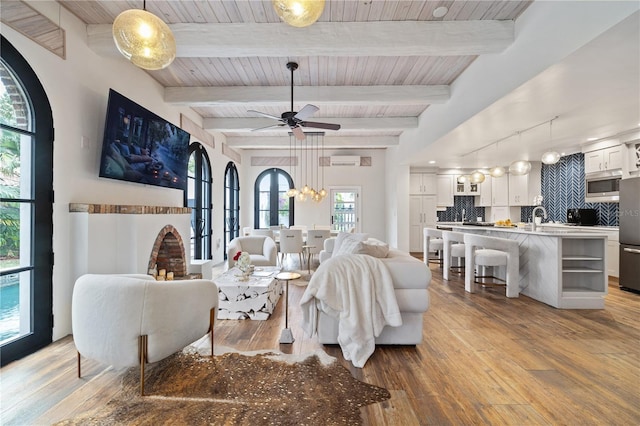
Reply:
x=343, y=235
x=375, y=248
x=406, y=270
x=349, y=245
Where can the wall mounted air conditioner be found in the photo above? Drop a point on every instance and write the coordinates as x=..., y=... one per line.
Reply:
x=344, y=160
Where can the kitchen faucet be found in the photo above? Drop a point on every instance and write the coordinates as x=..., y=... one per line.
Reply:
x=464, y=218
x=533, y=216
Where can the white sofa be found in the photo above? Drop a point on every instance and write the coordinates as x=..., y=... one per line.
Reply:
x=262, y=250
x=129, y=320
x=411, y=279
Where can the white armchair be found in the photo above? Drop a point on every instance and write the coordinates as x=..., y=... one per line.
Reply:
x=262, y=250
x=129, y=320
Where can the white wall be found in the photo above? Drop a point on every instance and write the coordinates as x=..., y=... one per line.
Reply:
x=78, y=89
x=370, y=180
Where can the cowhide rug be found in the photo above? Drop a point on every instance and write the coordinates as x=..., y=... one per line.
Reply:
x=268, y=388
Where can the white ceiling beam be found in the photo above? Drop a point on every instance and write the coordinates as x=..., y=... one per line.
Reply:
x=333, y=142
x=346, y=123
x=380, y=38
x=325, y=95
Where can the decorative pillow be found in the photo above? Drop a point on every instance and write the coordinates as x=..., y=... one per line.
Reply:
x=342, y=235
x=375, y=248
x=348, y=246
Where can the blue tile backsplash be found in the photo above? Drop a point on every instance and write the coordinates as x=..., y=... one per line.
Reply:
x=562, y=188
x=454, y=214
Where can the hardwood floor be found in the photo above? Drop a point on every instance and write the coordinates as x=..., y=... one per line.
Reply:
x=485, y=359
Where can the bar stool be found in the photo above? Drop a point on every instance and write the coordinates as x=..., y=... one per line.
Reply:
x=432, y=243
x=453, y=246
x=489, y=252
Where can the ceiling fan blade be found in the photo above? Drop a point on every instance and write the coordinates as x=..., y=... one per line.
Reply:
x=268, y=127
x=328, y=126
x=264, y=114
x=307, y=111
x=298, y=133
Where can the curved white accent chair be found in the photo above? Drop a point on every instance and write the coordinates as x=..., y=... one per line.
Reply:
x=131, y=320
x=261, y=249
x=490, y=252
x=291, y=242
x=453, y=246
x=433, y=243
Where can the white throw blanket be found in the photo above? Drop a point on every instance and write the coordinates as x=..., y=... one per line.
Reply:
x=357, y=290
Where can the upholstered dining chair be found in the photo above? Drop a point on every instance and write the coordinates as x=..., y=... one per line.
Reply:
x=483, y=253
x=290, y=243
x=131, y=320
x=453, y=247
x=315, y=241
x=264, y=232
x=433, y=243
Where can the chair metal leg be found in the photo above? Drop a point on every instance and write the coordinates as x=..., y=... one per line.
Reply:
x=212, y=320
x=79, y=373
x=143, y=348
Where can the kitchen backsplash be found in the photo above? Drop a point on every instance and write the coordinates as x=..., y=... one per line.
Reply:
x=563, y=188
x=460, y=202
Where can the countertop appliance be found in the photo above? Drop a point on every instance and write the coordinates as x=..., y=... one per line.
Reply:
x=630, y=234
x=582, y=217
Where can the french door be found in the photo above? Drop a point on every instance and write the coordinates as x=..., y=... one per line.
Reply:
x=345, y=209
x=26, y=209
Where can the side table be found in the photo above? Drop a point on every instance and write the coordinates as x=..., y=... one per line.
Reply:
x=287, y=336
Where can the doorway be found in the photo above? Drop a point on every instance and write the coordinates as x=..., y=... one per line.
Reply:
x=345, y=209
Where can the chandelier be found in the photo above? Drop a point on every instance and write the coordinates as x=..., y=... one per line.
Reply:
x=298, y=13
x=144, y=39
x=309, y=149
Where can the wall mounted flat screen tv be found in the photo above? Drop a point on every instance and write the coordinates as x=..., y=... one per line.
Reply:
x=141, y=147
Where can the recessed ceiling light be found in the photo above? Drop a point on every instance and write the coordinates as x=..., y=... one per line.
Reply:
x=432, y=162
x=591, y=139
x=439, y=12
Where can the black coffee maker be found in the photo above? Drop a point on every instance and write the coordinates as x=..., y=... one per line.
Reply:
x=582, y=217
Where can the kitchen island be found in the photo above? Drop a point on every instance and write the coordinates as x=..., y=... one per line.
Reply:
x=563, y=268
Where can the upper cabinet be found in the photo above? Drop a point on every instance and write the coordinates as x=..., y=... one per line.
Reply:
x=466, y=188
x=422, y=184
x=603, y=159
x=522, y=189
x=444, y=197
x=500, y=191
x=484, y=199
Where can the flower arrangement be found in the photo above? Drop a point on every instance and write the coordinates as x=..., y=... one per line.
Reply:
x=243, y=260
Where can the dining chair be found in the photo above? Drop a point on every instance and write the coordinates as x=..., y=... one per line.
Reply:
x=291, y=242
x=315, y=241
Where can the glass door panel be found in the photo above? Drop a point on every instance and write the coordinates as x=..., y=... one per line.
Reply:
x=345, y=210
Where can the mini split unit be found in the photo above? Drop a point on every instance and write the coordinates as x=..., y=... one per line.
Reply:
x=344, y=160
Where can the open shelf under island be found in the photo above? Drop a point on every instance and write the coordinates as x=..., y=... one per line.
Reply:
x=565, y=269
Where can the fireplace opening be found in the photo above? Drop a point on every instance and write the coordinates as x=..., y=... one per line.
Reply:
x=168, y=253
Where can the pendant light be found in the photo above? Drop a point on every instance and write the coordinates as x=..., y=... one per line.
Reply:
x=477, y=177
x=299, y=13
x=520, y=167
x=497, y=171
x=144, y=39
x=550, y=157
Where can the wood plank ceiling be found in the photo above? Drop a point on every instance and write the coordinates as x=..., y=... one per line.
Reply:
x=373, y=66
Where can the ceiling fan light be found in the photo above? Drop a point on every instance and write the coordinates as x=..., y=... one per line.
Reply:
x=497, y=171
x=520, y=167
x=550, y=157
x=477, y=177
x=299, y=13
x=144, y=39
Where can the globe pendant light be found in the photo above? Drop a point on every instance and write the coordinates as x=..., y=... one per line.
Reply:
x=299, y=13
x=463, y=178
x=520, y=167
x=497, y=171
x=144, y=39
x=550, y=157
x=477, y=177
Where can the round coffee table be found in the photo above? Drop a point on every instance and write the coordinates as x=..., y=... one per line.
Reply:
x=287, y=336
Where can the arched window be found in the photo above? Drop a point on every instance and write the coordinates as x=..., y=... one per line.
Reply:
x=231, y=205
x=272, y=206
x=26, y=209
x=199, y=199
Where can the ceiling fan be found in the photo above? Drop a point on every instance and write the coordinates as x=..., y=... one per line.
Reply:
x=296, y=120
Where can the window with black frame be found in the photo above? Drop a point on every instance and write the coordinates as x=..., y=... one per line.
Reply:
x=231, y=205
x=272, y=207
x=198, y=197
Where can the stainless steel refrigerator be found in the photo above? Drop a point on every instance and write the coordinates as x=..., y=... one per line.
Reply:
x=630, y=234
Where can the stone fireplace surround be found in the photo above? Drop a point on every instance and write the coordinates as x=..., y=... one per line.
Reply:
x=124, y=239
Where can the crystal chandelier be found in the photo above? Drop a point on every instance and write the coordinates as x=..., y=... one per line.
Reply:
x=144, y=39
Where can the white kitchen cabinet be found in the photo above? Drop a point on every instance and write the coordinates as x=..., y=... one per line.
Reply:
x=500, y=191
x=466, y=188
x=603, y=160
x=444, y=197
x=613, y=254
x=522, y=189
x=422, y=213
x=499, y=213
x=485, y=193
x=422, y=183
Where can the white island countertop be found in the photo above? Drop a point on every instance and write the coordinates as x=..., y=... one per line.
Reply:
x=558, y=231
